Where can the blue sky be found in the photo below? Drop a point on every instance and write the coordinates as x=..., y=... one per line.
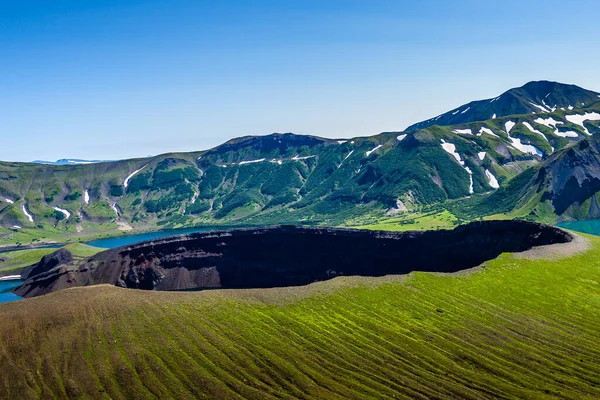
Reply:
x=108, y=79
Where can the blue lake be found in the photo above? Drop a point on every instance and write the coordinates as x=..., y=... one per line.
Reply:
x=111, y=243
x=591, y=226
x=5, y=290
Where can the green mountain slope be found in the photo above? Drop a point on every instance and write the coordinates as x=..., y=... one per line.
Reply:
x=564, y=187
x=534, y=97
x=290, y=178
x=518, y=328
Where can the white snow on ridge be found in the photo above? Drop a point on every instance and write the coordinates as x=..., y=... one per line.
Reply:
x=532, y=129
x=580, y=119
x=486, y=130
x=345, y=158
x=549, y=122
x=297, y=157
x=341, y=141
x=29, y=216
x=455, y=112
x=62, y=210
x=552, y=123
x=463, y=131
x=451, y=149
x=471, y=191
x=126, y=181
x=401, y=137
x=468, y=108
x=481, y=155
x=368, y=153
x=251, y=161
x=492, y=179
x=509, y=125
x=544, y=109
x=276, y=161
x=552, y=109
x=525, y=148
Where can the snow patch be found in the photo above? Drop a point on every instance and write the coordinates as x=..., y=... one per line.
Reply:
x=17, y=226
x=486, y=130
x=544, y=109
x=455, y=112
x=468, y=108
x=368, y=153
x=126, y=181
x=471, y=191
x=29, y=216
x=63, y=211
x=532, y=129
x=451, y=149
x=463, y=131
x=86, y=197
x=481, y=155
x=9, y=201
x=345, y=158
x=525, y=148
x=509, y=125
x=401, y=137
x=115, y=209
x=341, y=141
x=297, y=157
x=552, y=123
x=251, y=161
x=494, y=116
x=580, y=119
x=492, y=179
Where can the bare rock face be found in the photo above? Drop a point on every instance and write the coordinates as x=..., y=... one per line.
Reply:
x=290, y=256
x=47, y=263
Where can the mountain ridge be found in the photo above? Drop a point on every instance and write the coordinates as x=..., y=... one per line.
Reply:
x=285, y=177
x=533, y=97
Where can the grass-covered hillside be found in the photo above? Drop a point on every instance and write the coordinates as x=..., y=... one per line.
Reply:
x=517, y=328
x=287, y=178
x=12, y=262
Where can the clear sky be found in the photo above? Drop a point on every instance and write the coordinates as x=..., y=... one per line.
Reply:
x=108, y=79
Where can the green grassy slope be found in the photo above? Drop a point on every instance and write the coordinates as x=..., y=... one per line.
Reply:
x=517, y=328
x=14, y=261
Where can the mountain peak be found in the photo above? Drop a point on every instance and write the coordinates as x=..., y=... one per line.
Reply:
x=533, y=97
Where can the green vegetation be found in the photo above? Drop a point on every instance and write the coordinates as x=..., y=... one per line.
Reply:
x=416, y=222
x=14, y=261
x=518, y=328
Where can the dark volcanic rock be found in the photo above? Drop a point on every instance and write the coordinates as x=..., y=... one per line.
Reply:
x=48, y=262
x=289, y=256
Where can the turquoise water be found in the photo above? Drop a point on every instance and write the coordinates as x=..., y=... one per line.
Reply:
x=591, y=226
x=111, y=243
x=6, y=287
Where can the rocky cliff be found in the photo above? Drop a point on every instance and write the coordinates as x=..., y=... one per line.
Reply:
x=288, y=256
